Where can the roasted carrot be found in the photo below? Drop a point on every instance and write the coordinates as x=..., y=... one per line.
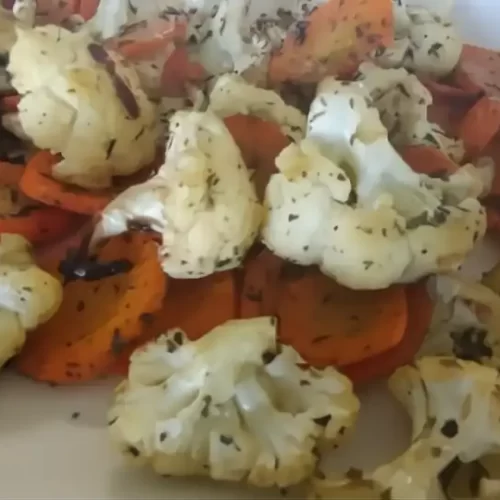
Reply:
x=459, y=86
x=260, y=143
x=50, y=256
x=333, y=39
x=195, y=306
x=38, y=224
x=98, y=317
x=178, y=71
x=332, y=325
x=428, y=160
x=85, y=8
x=10, y=174
x=480, y=125
x=37, y=183
x=261, y=281
x=9, y=103
x=420, y=309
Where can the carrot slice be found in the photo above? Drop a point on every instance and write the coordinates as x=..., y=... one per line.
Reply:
x=10, y=174
x=37, y=183
x=85, y=8
x=195, y=306
x=420, y=309
x=480, y=125
x=9, y=103
x=459, y=86
x=428, y=160
x=37, y=224
x=482, y=66
x=97, y=318
x=50, y=256
x=178, y=71
x=329, y=324
x=332, y=40
x=260, y=143
x=261, y=284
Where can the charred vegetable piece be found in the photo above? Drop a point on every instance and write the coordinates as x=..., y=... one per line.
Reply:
x=97, y=319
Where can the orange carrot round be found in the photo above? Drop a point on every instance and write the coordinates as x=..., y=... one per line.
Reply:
x=334, y=38
x=329, y=324
x=420, y=310
x=37, y=224
x=38, y=183
x=9, y=103
x=10, y=174
x=428, y=160
x=261, y=281
x=480, y=125
x=97, y=318
x=194, y=306
x=260, y=143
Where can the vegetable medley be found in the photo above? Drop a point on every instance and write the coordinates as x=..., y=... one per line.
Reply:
x=247, y=211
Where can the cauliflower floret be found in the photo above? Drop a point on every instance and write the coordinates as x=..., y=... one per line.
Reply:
x=201, y=201
x=424, y=42
x=83, y=102
x=233, y=405
x=403, y=101
x=454, y=406
x=28, y=295
x=232, y=95
x=466, y=322
x=394, y=227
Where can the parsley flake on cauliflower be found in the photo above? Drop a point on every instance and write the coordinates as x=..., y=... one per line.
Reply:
x=424, y=42
x=28, y=295
x=232, y=95
x=346, y=201
x=454, y=406
x=83, y=102
x=403, y=101
x=233, y=405
x=202, y=200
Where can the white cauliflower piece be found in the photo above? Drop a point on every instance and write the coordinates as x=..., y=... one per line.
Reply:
x=454, y=406
x=223, y=35
x=201, y=201
x=233, y=405
x=424, y=42
x=403, y=102
x=83, y=102
x=466, y=322
x=28, y=295
x=232, y=95
x=395, y=227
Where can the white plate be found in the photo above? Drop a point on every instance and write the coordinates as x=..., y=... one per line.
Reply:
x=54, y=443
